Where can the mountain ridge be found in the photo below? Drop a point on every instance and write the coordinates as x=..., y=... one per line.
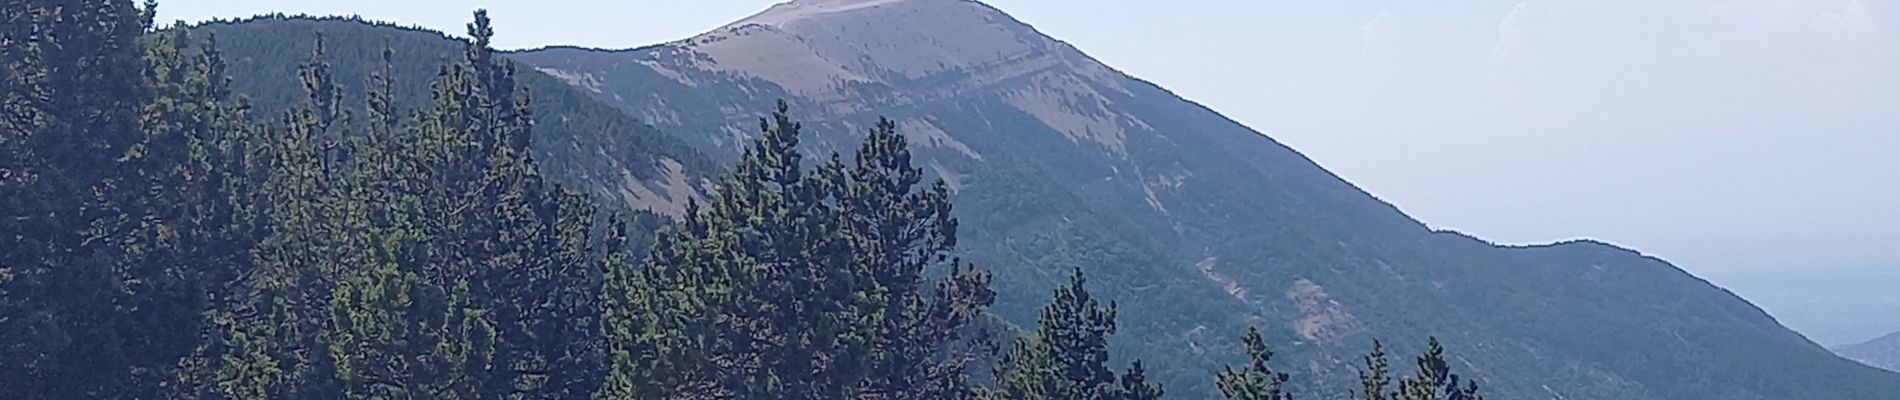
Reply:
x=1881, y=352
x=443, y=251
x=829, y=73
x=1198, y=224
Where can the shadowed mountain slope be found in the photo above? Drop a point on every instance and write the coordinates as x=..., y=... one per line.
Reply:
x=579, y=140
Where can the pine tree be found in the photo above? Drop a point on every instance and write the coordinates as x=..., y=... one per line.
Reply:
x=226, y=170
x=803, y=285
x=1135, y=385
x=747, y=299
x=568, y=326
x=1373, y=381
x=622, y=324
x=377, y=343
x=191, y=240
x=1434, y=379
x=425, y=258
x=285, y=319
x=1257, y=380
x=1068, y=356
x=73, y=95
x=897, y=232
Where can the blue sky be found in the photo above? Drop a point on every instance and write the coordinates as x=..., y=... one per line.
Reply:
x=1729, y=136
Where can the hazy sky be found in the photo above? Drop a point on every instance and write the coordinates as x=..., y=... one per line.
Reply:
x=1725, y=135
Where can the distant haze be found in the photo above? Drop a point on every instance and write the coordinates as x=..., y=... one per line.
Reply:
x=1734, y=137
x=1833, y=307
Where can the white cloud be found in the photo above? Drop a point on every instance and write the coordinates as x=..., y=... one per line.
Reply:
x=1513, y=34
x=1372, y=61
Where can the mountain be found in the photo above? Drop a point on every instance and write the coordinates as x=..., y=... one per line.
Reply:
x=1199, y=226
x=1882, y=352
x=582, y=141
x=1832, y=306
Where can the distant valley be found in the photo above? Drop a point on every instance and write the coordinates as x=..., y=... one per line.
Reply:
x=1831, y=305
x=1883, y=352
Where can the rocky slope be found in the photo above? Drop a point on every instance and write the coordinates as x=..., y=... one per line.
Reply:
x=1197, y=225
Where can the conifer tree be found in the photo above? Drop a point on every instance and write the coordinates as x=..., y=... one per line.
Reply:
x=1434, y=379
x=747, y=297
x=193, y=241
x=1068, y=356
x=622, y=325
x=897, y=232
x=73, y=95
x=377, y=343
x=1373, y=380
x=282, y=332
x=1257, y=380
x=1135, y=384
x=797, y=284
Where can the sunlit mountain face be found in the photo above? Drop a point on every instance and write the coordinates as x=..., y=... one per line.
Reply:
x=1197, y=225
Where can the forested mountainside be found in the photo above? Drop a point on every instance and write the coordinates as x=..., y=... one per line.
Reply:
x=583, y=141
x=420, y=217
x=1882, y=352
x=160, y=237
x=1195, y=224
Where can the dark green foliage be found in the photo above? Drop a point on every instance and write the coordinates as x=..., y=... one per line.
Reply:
x=897, y=231
x=160, y=243
x=1135, y=386
x=1256, y=380
x=1067, y=358
x=1434, y=380
x=1373, y=378
x=797, y=284
x=580, y=143
x=101, y=152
